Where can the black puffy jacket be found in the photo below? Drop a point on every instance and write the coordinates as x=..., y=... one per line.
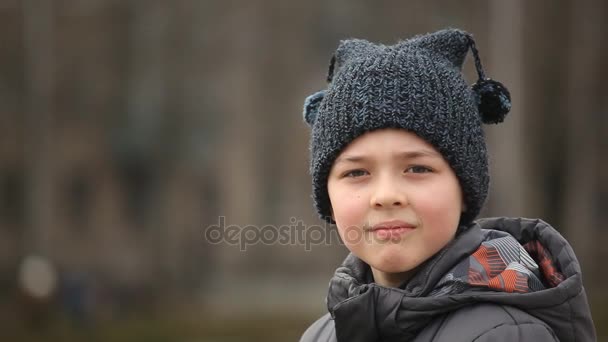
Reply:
x=503, y=279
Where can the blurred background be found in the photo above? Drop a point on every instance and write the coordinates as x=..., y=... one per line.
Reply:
x=129, y=128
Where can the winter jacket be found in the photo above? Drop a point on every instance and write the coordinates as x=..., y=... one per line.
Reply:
x=502, y=279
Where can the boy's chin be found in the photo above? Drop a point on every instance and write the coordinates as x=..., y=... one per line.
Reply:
x=394, y=269
x=392, y=261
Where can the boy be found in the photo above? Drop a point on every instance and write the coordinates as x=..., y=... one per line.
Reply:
x=399, y=164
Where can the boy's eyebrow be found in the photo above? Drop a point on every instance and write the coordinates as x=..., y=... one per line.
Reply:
x=350, y=159
x=419, y=153
x=401, y=155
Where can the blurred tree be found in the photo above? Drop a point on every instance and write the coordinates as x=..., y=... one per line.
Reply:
x=38, y=21
x=582, y=153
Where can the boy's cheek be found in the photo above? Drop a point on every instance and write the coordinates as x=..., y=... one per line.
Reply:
x=349, y=212
x=350, y=216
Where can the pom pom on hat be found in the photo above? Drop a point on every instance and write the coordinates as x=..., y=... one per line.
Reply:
x=313, y=102
x=311, y=106
x=493, y=100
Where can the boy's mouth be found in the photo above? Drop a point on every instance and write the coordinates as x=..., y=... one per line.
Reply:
x=393, y=224
x=392, y=230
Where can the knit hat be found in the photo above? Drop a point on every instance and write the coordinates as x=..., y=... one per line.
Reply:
x=417, y=85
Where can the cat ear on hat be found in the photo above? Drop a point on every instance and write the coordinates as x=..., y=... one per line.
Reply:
x=347, y=50
x=452, y=44
x=493, y=98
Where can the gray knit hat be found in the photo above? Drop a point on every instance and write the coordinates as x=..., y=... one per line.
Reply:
x=417, y=85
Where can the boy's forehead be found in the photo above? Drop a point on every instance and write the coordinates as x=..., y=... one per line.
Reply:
x=395, y=141
x=407, y=154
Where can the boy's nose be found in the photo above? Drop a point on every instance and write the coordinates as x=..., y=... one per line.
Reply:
x=387, y=195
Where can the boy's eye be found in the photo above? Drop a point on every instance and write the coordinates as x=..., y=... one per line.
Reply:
x=418, y=169
x=355, y=173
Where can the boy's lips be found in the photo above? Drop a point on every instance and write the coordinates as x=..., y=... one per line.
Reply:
x=392, y=230
x=393, y=224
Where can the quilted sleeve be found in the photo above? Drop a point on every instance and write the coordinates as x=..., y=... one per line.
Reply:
x=322, y=330
x=518, y=332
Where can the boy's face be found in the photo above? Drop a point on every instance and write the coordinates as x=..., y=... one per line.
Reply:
x=395, y=200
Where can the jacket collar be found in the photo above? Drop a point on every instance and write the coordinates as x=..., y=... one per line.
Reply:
x=365, y=311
